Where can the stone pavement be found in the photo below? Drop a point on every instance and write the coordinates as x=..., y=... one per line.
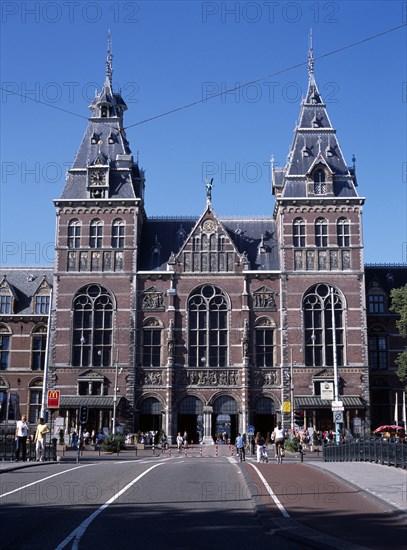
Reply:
x=387, y=483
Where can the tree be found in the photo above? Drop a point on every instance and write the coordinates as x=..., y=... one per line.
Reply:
x=399, y=306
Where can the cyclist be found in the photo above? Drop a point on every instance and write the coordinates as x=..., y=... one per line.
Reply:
x=240, y=447
x=279, y=438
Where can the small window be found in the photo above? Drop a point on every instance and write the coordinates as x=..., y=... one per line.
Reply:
x=342, y=227
x=321, y=233
x=5, y=341
x=5, y=304
x=319, y=182
x=74, y=234
x=42, y=305
x=378, y=352
x=299, y=233
x=376, y=303
x=118, y=234
x=38, y=349
x=96, y=234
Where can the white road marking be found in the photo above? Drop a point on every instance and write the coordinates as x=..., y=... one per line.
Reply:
x=44, y=479
x=271, y=492
x=80, y=530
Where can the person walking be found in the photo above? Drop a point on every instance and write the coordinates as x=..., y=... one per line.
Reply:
x=240, y=447
x=39, y=439
x=22, y=430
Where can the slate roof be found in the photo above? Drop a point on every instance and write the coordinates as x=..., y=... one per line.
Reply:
x=314, y=141
x=25, y=282
x=388, y=276
x=246, y=234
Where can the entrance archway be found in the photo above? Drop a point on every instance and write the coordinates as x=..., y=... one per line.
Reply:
x=225, y=418
x=264, y=420
x=190, y=418
x=150, y=415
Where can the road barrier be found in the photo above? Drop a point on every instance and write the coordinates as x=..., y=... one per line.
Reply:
x=8, y=445
x=367, y=450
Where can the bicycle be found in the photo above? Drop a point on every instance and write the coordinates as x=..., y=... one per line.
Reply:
x=241, y=453
x=279, y=451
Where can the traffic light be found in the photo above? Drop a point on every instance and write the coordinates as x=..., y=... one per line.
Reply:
x=83, y=414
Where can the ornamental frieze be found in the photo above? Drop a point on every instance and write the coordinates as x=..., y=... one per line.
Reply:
x=149, y=378
x=265, y=378
x=217, y=377
x=264, y=298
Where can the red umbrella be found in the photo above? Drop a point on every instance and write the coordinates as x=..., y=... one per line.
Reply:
x=388, y=428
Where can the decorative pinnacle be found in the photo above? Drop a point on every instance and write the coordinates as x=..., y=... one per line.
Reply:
x=310, y=57
x=109, y=60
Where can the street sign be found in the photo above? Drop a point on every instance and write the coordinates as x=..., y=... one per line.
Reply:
x=53, y=397
x=337, y=406
x=338, y=417
x=250, y=430
x=286, y=406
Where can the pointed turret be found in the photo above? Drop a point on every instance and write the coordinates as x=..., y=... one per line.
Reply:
x=315, y=163
x=103, y=167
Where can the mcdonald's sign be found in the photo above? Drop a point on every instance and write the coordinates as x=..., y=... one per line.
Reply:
x=53, y=399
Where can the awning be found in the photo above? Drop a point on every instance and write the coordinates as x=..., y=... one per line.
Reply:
x=315, y=402
x=92, y=401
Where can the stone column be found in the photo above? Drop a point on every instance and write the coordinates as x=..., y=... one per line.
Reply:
x=207, y=425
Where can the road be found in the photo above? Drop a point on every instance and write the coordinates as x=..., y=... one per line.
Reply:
x=188, y=502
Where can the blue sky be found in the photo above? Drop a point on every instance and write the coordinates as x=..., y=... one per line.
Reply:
x=169, y=54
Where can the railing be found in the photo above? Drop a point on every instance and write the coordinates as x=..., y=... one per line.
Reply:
x=8, y=446
x=367, y=450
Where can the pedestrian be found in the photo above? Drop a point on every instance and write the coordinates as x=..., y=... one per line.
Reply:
x=240, y=447
x=185, y=440
x=22, y=430
x=179, y=441
x=39, y=439
x=259, y=444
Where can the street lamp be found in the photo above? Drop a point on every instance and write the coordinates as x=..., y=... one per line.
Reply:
x=116, y=376
x=335, y=362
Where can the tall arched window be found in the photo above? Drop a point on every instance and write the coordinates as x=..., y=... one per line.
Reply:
x=74, y=234
x=118, y=234
x=96, y=234
x=152, y=343
x=342, y=231
x=92, y=327
x=299, y=232
x=319, y=182
x=264, y=342
x=35, y=399
x=319, y=323
x=208, y=327
x=38, y=347
x=321, y=233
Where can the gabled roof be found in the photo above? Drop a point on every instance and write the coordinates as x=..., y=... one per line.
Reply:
x=25, y=282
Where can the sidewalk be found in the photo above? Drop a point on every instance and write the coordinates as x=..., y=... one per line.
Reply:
x=386, y=483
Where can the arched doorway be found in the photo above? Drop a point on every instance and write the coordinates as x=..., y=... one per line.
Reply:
x=225, y=418
x=264, y=419
x=150, y=415
x=190, y=418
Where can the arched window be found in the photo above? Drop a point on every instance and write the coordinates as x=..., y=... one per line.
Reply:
x=118, y=234
x=342, y=232
x=96, y=234
x=152, y=330
x=5, y=341
x=319, y=182
x=92, y=327
x=208, y=327
x=74, y=234
x=321, y=233
x=378, y=348
x=319, y=326
x=298, y=232
x=38, y=347
x=264, y=342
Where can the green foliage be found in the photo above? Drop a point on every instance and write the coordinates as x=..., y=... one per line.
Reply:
x=399, y=306
x=292, y=444
x=112, y=444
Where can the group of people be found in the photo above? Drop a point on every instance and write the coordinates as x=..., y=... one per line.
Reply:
x=182, y=441
x=277, y=437
x=22, y=437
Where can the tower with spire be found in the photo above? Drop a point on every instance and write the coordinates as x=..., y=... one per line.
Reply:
x=99, y=219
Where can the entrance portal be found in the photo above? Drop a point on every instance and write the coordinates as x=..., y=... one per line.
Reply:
x=225, y=418
x=150, y=415
x=264, y=420
x=190, y=418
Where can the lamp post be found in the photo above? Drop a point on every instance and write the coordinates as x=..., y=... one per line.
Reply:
x=116, y=377
x=292, y=393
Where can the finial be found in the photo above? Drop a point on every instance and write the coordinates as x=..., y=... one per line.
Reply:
x=354, y=161
x=272, y=161
x=310, y=57
x=109, y=60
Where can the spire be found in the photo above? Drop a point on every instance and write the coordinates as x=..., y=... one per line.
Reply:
x=310, y=58
x=109, y=60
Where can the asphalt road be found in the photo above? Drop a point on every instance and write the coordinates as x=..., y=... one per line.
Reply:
x=190, y=502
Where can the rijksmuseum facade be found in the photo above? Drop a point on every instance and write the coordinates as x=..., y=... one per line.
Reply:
x=204, y=324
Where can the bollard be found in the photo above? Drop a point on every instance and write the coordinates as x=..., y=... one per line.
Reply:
x=232, y=450
x=185, y=450
x=169, y=451
x=216, y=450
x=200, y=451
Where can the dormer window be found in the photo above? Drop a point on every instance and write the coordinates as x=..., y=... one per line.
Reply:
x=103, y=112
x=317, y=122
x=111, y=139
x=94, y=139
x=319, y=182
x=5, y=304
